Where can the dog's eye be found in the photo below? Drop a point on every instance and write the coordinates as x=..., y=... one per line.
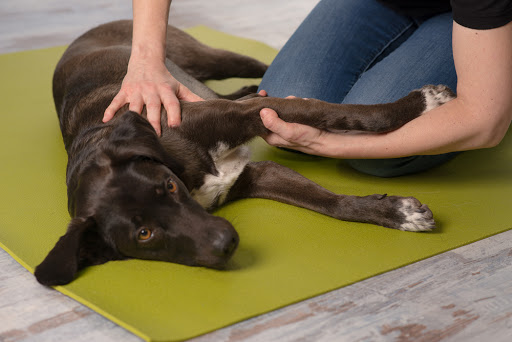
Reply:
x=171, y=186
x=144, y=234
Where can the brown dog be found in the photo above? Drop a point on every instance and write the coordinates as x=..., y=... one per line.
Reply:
x=132, y=194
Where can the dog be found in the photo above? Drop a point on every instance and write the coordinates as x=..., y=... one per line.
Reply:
x=132, y=194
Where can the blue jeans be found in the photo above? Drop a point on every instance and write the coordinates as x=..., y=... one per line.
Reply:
x=359, y=51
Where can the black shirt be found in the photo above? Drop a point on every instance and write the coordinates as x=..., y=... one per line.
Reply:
x=475, y=14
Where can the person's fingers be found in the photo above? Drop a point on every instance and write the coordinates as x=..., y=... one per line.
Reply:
x=273, y=123
x=153, y=95
x=185, y=94
x=172, y=104
x=262, y=92
x=275, y=140
x=153, y=109
x=118, y=101
x=136, y=104
x=172, y=107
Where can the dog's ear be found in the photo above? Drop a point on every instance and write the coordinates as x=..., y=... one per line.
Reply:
x=133, y=137
x=81, y=246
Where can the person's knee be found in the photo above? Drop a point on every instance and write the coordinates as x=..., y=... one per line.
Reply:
x=396, y=167
x=321, y=59
x=384, y=168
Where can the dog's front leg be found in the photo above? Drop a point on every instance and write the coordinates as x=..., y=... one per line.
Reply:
x=272, y=181
x=235, y=122
x=377, y=118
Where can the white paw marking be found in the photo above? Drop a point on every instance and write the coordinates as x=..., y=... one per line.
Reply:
x=229, y=163
x=418, y=218
x=436, y=96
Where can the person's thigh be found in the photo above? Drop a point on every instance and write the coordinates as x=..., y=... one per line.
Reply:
x=336, y=43
x=424, y=58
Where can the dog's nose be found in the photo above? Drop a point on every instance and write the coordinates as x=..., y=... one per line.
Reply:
x=225, y=243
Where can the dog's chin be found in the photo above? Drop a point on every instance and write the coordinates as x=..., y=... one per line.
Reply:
x=213, y=264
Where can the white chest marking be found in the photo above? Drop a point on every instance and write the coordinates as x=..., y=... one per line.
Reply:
x=229, y=164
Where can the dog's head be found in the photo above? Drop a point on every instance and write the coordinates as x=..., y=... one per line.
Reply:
x=130, y=203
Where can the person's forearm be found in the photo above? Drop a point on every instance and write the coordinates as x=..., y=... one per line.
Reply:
x=149, y=29
x=451, y=127
x=478, y=118
x=148, y=83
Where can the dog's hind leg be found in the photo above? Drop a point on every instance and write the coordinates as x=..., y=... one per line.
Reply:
x=272, y=181
x=241, y=93
x=206, y=63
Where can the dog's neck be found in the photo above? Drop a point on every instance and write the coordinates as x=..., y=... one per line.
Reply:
x=82, y=151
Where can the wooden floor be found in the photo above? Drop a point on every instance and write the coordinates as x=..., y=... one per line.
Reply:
x=461, y=295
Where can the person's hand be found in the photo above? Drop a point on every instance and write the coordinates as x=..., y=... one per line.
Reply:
x=153, y=86
x=294, y=136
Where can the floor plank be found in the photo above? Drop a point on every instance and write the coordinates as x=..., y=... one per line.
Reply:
x=461, y=295
x=32, y=24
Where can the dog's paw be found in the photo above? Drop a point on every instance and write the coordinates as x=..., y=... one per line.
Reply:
x=417, y=216
x=434, y=96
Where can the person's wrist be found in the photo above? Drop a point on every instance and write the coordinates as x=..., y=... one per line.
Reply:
x=327, y=145
x=151, y=64
x=148, y=53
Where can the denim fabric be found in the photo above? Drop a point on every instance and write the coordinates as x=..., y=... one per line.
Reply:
x=359, y=51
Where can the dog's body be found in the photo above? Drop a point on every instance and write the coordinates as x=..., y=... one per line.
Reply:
x=132, y=194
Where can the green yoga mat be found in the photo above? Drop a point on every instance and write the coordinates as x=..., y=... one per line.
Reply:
x=286, y=254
